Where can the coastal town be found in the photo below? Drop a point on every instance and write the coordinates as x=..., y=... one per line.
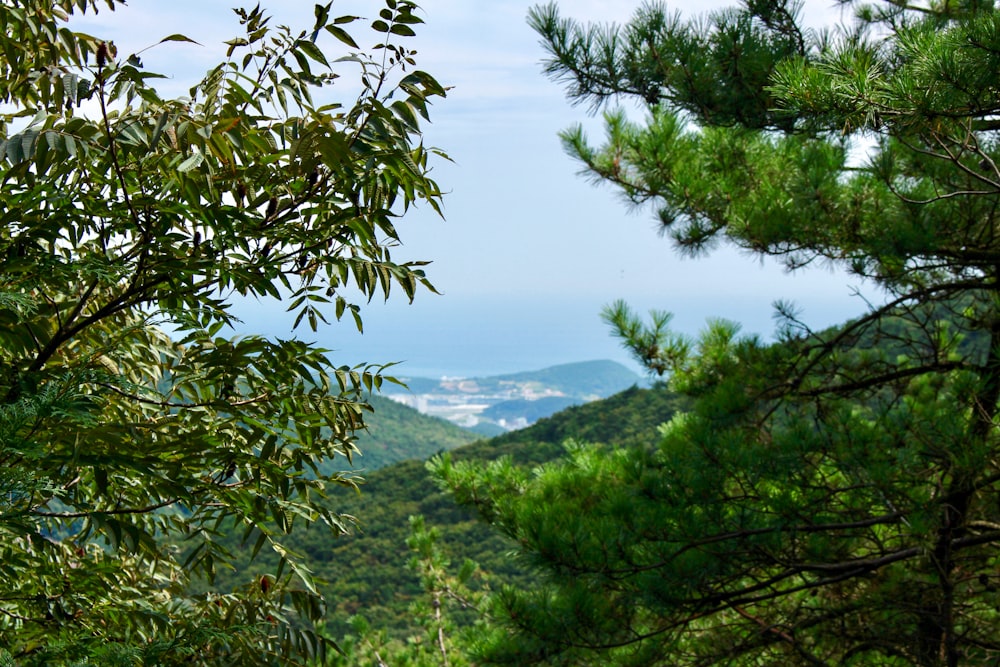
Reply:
x=509, y=402
x=464, y=401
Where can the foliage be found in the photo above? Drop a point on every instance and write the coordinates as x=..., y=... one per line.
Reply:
x=131, y=222
x=833, y=498
x=394, y=435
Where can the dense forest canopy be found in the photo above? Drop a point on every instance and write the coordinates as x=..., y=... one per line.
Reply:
x=125, y=451
x=831, y=499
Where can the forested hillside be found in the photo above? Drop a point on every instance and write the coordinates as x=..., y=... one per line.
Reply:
x=397, y=433
x=366, y=572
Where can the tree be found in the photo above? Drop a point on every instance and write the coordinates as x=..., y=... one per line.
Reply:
x=132, y=431
x=831, y=498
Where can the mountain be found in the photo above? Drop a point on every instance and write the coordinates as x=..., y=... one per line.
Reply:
x=398, y=433
x=587, y=380
x=515, y=400
x=366, y=572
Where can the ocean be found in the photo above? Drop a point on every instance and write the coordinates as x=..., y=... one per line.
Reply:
x=437, y=336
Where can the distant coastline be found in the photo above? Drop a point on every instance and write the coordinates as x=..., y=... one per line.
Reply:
x=504, y=402
x=445, y=336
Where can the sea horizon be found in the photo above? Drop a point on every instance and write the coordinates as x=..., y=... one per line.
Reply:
x=437, y=336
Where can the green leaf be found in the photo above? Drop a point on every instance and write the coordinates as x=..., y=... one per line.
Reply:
x=161, y=124
x=313, y=52
x=28, y=139
x=401, y=29
x=194, y=160
x=176, y=37
x=342, y=35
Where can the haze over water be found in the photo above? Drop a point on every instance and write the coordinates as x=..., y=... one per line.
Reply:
x=438, y=335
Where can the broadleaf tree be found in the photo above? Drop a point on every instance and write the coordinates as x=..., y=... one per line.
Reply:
x=832, y=498
x=134, y=427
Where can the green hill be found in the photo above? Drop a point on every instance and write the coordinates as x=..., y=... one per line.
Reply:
x=366, y=572
x=398, y=433
x=395, y=434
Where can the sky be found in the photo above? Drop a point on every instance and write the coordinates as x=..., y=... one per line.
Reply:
x=528, y=251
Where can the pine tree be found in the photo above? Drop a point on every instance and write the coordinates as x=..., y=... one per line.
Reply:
x=831, y=499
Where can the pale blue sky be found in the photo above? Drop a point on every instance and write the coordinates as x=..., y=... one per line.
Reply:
x=529, y=251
